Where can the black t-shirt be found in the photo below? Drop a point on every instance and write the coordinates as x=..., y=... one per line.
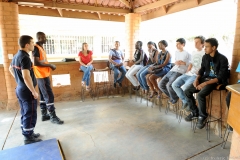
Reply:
x=22, y=61
x=35, y=52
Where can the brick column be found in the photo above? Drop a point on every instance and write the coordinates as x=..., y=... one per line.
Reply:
x=236, y=49
x=235, y=146
x=9, y=34
x=132, y=22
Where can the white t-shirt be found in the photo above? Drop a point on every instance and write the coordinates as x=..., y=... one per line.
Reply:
x=196, y=61
x=183, y=56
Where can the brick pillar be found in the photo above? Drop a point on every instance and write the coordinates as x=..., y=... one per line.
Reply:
x=235, y=146
x=132, y=22
x=236, y=49
x=9, y=34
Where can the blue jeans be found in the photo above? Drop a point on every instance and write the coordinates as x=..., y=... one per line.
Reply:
x=165, y=85
x=141, y=76
x=181, y=84
x=116, y=71
x=86, y=74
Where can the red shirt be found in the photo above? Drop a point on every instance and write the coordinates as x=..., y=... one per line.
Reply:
x=85, y=59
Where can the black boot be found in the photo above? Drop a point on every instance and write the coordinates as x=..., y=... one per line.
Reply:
x=55, y=119
x=31, y=139
x=45, y=115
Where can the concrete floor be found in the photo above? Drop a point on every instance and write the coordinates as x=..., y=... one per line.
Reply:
x=117, y=128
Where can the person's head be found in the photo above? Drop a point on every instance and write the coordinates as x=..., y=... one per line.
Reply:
x=84, y=46
x=138, y=45
x=41, y=37
x=117, y=45
x=180, y=43
x=26, y=42
x=199, y=42
x=151, y=45
x=211, y=45
x=162, y=44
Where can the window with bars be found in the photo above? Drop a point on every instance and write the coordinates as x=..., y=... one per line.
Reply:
x=107, y=44
x=66, y=45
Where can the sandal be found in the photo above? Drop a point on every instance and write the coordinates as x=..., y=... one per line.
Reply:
x=88, y=88
x=83, y=83
x=151, y=94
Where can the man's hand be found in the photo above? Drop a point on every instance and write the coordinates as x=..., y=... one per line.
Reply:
x=196, y=83
x=150, y=69
x=201, y=86
x=52, y=66
x=88, y=64
x=177, y=62
x=35, y=94
x=120, y=64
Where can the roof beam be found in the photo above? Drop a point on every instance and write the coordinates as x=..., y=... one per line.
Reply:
x=176, y=8
x=77, y=7
x=68, y=14
x=197, y=2
x=60, y=12
x=153, y=5
x=126, y=3
x=99, y=15
x=164, y=8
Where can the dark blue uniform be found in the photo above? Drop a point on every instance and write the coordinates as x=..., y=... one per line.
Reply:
x=26, y=100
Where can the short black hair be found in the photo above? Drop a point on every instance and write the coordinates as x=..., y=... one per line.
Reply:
x=181, y=40
x=23, y=40
x=39, y=34
x=201, y=38
x=212, y=41
x=140, y=43
x=163, y=42
x=117, y=42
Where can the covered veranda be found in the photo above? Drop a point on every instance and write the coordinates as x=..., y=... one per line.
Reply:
x=133, y=131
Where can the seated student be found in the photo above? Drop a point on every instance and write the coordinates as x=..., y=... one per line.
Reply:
x=162, y=67
x=116, y=58
x=185, y=80
x=182, y=58
x=138, y=64
x=214, y=70
x=86, y=60
x=141, y=74
x=228, y=97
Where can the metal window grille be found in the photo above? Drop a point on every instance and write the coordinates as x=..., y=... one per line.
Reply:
x=107, y=44
x=62, y=44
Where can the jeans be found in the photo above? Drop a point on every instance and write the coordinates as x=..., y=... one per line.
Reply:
x=46, y=94
x=131, y=74
x=141, y=76
x=116, y=71
x=181, y=84
x=86, y=74
x=165, y=85
x=28, y=107
x=201, y=98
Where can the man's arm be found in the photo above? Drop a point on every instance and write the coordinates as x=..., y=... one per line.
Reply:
x=28, y=81
x=189, y=67
x=11, y=71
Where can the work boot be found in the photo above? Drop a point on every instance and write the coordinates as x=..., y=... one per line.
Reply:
x=31, y=139
x=36, y=135
x=45, y=115
x=55, y=119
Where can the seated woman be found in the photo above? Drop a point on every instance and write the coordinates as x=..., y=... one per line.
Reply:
x=86, y=60
x=138, y=64
x=141, y=74
x=160, y=69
